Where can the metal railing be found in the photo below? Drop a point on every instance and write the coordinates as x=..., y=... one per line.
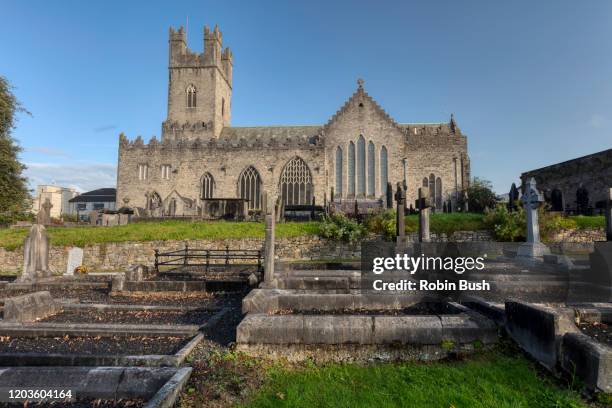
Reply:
x=208, y=257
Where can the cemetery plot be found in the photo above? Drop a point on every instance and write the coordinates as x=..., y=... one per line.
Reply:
x=164, y=317
x=419, y=309
x=98, y=345
x=601, y=332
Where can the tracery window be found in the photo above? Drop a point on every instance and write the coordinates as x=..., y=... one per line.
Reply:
x=384, y=175
x=339, y=163
x=371, y=169
x=351, y=169
x=361, y=168
x=191, y=96
x=296, y=183
x=208, y=186
x=249, y=187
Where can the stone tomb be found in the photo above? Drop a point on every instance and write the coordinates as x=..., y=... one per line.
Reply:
x=75, y=259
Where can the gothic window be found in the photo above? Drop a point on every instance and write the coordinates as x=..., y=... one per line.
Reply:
x=165, y=171
x=296, y=183
x=384, y=178
x=351, y=169
x=425, y=182
x=361, y=168
x=143, y=171
x=249, y=185
x=432, y=189
x=438, y=193
x=339, y=171
x=208, y=186
x=154, y=201
x=371, y=169
x=191, y=96
x=172, y=207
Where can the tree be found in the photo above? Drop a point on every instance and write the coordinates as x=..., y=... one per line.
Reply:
x=480, y=196
x=14, y=196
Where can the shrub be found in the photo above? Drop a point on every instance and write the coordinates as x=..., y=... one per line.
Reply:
x=382, y=224
x=338, y=227
x=480, y=196
x=507, y=226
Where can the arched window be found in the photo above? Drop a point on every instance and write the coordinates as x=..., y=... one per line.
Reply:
x=439, y=193
x=249, y=187
x=371, y=169
x=351, y=169
x=208, y=186
x=425, y=182
x=191, y=96
x=296, y=183
x=339, y=171
x=384, y=177
x=432, y=190
x=361, y=168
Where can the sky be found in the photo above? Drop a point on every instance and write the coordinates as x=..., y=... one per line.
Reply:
x=529, y=82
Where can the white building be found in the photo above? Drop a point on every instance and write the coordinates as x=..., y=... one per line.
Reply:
x=58, y=196
x=100, y=199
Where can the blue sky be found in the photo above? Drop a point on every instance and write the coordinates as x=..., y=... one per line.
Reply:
x=530, y=82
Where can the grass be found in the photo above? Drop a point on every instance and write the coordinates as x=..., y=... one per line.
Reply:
x=492, y=379
x=448, y=222
x=589, y=222
x=154, y=231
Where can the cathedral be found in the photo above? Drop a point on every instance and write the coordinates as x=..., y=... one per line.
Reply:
x=353, y=158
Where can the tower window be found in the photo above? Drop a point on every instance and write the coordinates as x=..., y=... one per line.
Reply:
x=165, y=171
x=191, y=96
x=143, y=171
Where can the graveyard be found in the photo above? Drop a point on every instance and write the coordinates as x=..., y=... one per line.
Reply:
x=204, y=326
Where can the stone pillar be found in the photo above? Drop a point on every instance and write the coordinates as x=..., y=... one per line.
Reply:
x=269, y=249
x=423, y=204
x=531, y=200
x=400, y=199
x=35, y=255
x=609, y=215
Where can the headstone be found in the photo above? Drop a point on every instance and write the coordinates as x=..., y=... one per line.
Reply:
x=400, y=224
x=75, y=259
x=269, y=249
x=35, y=255
x=609, y=215
x=531, y=200
x=389, y=195
x=423, y=204
x=93, y=217
x=44, y=214
x=513, y=195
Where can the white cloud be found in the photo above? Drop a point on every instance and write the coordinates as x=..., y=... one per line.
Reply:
x=48, y=151
x=81, y=176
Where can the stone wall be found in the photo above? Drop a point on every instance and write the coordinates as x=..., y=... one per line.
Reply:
x=578, y=235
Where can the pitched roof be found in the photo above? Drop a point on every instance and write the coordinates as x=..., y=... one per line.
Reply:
x=99, y=195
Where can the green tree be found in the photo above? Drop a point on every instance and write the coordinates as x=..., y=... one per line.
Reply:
x=14, y=196
x=480, y=196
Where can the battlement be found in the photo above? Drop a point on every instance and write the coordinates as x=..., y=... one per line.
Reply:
x=213, y=55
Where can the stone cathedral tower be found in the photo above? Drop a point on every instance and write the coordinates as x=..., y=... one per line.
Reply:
x=199, y=87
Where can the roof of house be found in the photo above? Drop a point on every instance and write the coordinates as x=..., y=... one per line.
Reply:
x=99, y=195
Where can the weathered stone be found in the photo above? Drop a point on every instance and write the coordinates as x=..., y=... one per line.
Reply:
x=423, y=204
x=36, y=255
x=591, y=361
x=29, y=307
x=532, y=199
x=269, y=249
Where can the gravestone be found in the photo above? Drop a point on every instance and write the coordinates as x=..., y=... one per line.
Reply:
x=44, y=214
x=423, y=204
x=531, y=200
x=400, y=220
x=513, y=195
x=75, y=259
x=609, y=215
x=35, y=255
x=269, y=250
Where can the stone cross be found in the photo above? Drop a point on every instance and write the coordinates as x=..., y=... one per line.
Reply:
x=400, y=224
x=269, y=249
x=609, y=215
x=44, y=214
x=35, y=255
x=423, y=203
x=531, y=200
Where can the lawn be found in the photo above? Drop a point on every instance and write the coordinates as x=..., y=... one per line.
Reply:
x=152, y=231
x=489, y=380
x=448, y=222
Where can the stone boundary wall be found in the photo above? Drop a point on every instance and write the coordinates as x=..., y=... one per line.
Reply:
x=117, y=256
